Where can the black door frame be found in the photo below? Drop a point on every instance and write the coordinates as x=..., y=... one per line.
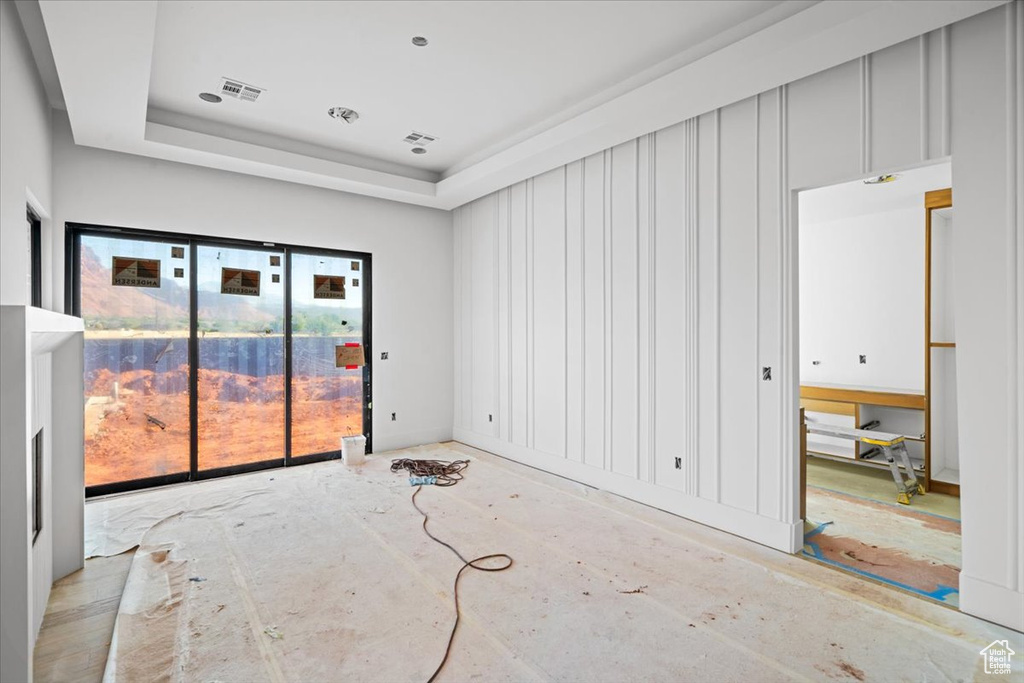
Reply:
x=72, y=306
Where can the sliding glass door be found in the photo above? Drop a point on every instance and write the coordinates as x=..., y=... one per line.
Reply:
x=326, y=312
x=134, y=301
x=215, y=357
x=240, y=378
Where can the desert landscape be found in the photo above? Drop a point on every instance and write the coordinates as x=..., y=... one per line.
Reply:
x=137, y=379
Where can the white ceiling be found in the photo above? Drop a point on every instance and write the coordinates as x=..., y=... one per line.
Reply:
x=491, y=68
x=855, y=198
x=512, y=89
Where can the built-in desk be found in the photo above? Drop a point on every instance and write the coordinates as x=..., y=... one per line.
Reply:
x=896, y=411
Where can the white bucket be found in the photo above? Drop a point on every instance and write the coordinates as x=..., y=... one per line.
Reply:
x=353, y=450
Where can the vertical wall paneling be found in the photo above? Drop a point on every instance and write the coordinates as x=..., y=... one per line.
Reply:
x=457, y=288
x=670, y=269
x=896, y=96
x=645, y=270
x=496, y=318
x=1019, y=270
x=768, y=289
x=518, y=313
x=691, y=375
x=1013, y=131
x=636, y=294
x=865, y=113
x=575, y=310
x=531, y=310
x=755, y=377
x=789, y=376
x=923, y=83
x=549, y=312
x=820, y=106
x=483, y=229
x=625, y=313
x=707, y=306
x=738, y=374
x=503, y=308
x=946, y=97
x=594, y=311
x=608, y=318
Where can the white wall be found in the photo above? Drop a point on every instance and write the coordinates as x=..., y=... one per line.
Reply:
x=25, y=161
x=411, y=248
x=639, y=293
x=862, y=292
x=25, y=177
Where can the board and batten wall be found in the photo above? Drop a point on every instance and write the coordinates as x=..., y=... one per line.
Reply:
x=614, y=316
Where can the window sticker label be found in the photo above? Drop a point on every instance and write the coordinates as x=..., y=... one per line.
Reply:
x=238, y=281
x=134, y=272
x=177, y=252
x=355, y=282
x=275, y=278
x=328, y=286
x=179, y=272
x=355, y=266
x=275, y=260
x=349, y=356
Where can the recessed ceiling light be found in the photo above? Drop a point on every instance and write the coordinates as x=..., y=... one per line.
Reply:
x=419, y=150
x=882, y=179
x=419, y=41
x=343, y=113
x=210, y=97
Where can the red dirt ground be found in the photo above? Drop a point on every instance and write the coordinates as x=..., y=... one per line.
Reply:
x=241, y=420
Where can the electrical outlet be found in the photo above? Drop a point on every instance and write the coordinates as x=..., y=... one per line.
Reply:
x=679, y=463
x=863, y=359
x=766, y=373
x=393, y=418
x=383, y=355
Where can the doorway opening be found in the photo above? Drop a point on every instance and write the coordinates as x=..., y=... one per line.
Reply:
x=879, y=453
x=207, y=357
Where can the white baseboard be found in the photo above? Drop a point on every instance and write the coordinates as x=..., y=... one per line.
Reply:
x=991, y=602
x=392, y=442
x=766, y=531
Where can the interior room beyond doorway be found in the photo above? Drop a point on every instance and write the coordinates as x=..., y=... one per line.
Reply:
x=878, y=380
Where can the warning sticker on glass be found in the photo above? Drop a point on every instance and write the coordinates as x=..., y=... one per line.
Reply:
x=349, y=356
x=177, y=252
x=135, y=272
x=237, y=281
x=328, y=286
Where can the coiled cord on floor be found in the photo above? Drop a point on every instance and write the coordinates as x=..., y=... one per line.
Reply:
x=450, y=473
x=447, y=473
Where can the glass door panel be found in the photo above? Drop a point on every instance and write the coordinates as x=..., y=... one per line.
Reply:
x=134, y=302
x=326, y=311
x=240, y=399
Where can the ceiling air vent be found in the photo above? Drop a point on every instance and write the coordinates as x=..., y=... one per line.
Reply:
x=240, y=91
x=419, y=139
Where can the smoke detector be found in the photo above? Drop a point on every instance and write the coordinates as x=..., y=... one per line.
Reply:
x=417, y=139
x=230, y=87
x=344, y=114
x=882, y=179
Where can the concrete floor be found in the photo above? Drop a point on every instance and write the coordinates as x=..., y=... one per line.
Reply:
x=323, y=573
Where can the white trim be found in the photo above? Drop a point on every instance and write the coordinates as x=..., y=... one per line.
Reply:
x=989, y=601
x=769, y=532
